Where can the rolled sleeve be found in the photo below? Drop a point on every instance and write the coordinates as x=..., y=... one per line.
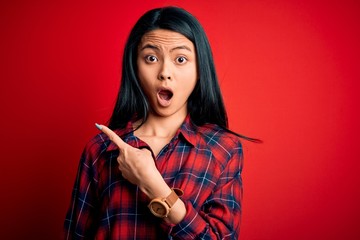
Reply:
x=219, y=216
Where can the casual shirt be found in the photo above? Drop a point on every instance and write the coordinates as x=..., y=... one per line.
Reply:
x=203, y=161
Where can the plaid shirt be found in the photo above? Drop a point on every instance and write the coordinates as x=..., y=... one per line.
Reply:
x=205, y=162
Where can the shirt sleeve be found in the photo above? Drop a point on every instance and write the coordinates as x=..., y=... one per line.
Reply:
x=220, y=215
x=81, y=213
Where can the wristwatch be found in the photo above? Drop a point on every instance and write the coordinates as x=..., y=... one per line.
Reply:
x=161, y=207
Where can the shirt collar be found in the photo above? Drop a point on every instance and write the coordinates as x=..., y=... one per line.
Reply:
x=188, y=130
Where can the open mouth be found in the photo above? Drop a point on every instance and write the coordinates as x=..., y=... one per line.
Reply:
x=165, y=95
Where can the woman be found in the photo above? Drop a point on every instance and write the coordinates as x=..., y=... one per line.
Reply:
x=170, y=168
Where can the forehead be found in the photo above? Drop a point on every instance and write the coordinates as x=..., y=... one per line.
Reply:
x=165, y=38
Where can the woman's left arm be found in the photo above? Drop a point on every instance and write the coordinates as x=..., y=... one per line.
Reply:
x=220, y=215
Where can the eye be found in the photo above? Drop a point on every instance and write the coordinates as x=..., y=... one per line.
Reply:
x=181, y=60
x=151, y=59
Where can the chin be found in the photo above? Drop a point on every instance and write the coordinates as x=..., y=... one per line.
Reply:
x=167, y=112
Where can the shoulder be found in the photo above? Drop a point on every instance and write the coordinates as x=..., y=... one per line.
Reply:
x=98, y=145
x=215, y=137
x=223, y=144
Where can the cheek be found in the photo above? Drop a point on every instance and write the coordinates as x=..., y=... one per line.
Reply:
x=145, y=86
x=187, y=88
x=188, y=74
x=191, y=79
x=147, y=73
x=143, y=77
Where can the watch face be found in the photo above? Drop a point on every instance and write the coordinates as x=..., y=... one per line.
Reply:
x=158, y=208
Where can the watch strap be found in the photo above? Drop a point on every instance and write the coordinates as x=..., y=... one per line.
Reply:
x=167, y=202
x=173, y=196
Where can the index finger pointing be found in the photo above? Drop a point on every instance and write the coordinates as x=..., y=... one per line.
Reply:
x=113, y=136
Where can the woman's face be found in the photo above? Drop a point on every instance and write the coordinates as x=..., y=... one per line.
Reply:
x=167, y=71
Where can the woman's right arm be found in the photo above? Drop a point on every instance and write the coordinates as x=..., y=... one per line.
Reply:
x=83, y=206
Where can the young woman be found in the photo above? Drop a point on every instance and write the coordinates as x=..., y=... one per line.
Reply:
x=170, y=168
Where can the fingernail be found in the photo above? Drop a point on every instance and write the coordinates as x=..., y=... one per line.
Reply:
x=98, y=126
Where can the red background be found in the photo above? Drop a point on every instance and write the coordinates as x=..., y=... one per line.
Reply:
x=289, y=73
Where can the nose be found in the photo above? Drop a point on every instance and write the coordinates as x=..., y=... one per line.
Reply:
x=165, y=72
x=163, y=77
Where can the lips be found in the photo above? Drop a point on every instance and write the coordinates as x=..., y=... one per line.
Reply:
x=164, y=97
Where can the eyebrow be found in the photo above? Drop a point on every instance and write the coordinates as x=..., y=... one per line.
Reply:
x=156, y=48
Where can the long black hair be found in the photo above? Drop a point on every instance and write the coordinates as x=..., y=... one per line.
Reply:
x=205, y=104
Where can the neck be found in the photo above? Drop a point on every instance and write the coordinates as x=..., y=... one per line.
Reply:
x=159, y=126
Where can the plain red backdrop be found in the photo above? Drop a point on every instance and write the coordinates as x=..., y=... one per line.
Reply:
x=289, y=73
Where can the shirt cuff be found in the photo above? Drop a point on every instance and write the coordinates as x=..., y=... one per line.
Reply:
x=191, y=226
